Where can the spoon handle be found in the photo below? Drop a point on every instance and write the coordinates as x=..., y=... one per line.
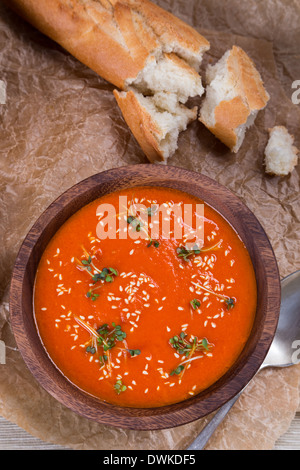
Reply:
x=201, y=440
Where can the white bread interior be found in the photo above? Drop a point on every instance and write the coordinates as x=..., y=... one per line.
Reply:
x=169, y=74
x=234, y=96
x=155, y=121
x=280, y=153
x=160, y=90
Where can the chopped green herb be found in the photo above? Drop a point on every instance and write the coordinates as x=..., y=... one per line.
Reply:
x=195, y=303
x=230, y=303
x=104, y=275
x=151, y=210
x=178, y=370
x=134, y=352
x=155, y=243
x=119, y=387
x=188, y=346
x=106, y=337
x=91, y=295
x=185, y=254
x=134, y=222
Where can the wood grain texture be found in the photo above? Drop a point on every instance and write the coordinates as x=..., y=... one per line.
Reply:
x=268, y=291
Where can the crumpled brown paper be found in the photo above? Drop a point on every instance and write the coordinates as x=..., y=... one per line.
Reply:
x=60, y=124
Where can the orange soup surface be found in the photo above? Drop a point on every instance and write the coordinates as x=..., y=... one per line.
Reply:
x=138, y=321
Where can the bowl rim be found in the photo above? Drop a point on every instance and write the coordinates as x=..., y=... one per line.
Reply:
x=53, y=381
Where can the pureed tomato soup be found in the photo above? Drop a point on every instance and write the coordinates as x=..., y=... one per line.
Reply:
x=138, y=321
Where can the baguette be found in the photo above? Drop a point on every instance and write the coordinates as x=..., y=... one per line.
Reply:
x=234, y=95
x=143, y=50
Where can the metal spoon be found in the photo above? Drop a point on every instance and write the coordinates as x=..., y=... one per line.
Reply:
x=282, y=353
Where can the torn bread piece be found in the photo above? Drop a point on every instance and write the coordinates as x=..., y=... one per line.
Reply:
x=155, y=128
x=135, y=45
x=168, y=74
x=153, y=104
x=280, y=153
x=234, y=95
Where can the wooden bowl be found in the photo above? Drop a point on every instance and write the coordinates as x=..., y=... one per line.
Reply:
x=268, y=305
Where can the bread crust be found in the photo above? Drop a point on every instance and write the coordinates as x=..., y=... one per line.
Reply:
x=112, y=37
x=251, y=96
x=249, y=83
x=228, y=116
x=141, y=124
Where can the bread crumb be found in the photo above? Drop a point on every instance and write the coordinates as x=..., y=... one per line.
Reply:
x=280, y=153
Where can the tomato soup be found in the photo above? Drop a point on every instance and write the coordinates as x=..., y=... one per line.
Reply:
x=140, y=321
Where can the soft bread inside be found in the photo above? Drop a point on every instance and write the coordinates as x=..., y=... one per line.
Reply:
x=170, y=120
x=155, y=128
x=160, y=92
x=168, y=74
x=229, y=109
x=280, y=153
